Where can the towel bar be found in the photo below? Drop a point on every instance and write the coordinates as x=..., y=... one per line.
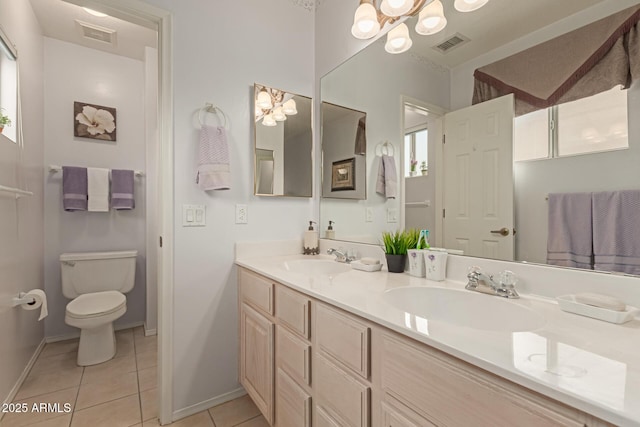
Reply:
x=16, y=192
x=56, y=169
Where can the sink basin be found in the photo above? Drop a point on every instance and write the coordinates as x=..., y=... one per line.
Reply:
x=465, y=308
x=316, y=267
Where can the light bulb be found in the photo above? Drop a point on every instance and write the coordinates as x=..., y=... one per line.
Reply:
x=269, y=120
x=398, y=39
x=279, y=115
x=469, y=5
x=395, y=8
x=264, y=100
x=431, y=19
x=289, y=108
x=365, y=22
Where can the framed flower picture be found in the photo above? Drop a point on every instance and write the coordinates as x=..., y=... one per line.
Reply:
x=94, y=121
x=343, y=175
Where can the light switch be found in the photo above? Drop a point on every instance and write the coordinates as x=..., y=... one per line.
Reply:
x=392, y=215
x=368, y=215
x=194, y=216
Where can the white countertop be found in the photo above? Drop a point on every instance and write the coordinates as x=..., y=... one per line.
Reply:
x=597, y=364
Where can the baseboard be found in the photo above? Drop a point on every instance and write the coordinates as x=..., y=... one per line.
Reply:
x=207, y=404
x=149, y=332
x=74, y=335
x=23, y=376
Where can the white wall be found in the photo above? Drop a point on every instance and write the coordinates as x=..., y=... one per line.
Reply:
x=220, y=50
x=75, y=73
x=374, y=82
x=535, y=179
x=21, y=222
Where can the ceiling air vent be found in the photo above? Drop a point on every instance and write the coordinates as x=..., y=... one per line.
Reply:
x=96, y=32
x=454, y=41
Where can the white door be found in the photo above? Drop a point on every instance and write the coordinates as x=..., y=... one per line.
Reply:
x=478, y=180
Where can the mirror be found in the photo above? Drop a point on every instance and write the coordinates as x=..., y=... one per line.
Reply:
x=387, y=86
x=8, y=88
x=283, y=143
x=344, y=150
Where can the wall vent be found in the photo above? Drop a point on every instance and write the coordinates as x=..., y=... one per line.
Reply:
x=453, y=42
x=96, y=32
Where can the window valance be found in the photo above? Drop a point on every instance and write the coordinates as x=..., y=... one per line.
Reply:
x=581, y=63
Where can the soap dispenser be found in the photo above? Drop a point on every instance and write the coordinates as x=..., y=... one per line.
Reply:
x=311, y=241
x=331, y=233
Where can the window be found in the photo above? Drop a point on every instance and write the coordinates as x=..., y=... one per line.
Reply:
x=8, y=86
x=415, y=148
x=590, y=125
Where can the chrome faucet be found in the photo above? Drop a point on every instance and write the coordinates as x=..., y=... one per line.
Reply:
x=481, y=282
x=341, y=255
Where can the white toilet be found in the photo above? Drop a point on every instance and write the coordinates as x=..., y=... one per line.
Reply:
x=97, y=282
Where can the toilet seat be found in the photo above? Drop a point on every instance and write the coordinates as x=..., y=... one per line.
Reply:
x=96, y=304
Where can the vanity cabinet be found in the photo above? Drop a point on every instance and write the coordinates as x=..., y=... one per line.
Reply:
x=307, y=363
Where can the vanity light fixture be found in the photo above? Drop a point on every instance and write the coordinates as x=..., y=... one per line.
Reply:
x=368, y=19
x=95, y=12
x=273, y=105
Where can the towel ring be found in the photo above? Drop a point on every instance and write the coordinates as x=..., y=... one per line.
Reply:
x=390, y=149
x=210, y=108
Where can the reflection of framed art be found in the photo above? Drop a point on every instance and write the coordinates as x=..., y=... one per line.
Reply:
x=343, y=175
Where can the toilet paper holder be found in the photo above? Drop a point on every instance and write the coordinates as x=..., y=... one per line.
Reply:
x=22, y=299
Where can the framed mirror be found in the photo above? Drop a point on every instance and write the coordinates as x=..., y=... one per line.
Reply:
x=388, y=86
x=283, y=143
x=8, y=88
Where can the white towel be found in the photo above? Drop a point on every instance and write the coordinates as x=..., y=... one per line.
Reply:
x=98, y=189
x=214, y=172
x=387, y=182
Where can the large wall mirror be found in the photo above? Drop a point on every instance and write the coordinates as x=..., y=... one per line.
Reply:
x=413, y=99
x=283, y=143
x=8, y=88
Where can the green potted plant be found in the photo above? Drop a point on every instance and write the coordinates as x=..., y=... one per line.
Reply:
x=395, y=249
x=4, y=120
x=412, y=167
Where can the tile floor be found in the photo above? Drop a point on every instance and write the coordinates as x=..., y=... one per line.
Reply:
x=117, y=393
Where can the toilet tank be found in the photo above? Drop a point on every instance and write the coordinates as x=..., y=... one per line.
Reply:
x=97, y=271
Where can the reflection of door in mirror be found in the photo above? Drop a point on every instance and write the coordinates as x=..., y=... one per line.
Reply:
x=8, y=89
x=282, y=125
x=264, y=171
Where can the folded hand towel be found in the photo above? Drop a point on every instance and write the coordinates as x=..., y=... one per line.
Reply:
x=569, y=241
x=74, y=188
x=122, y=184
x=98, y=186
x=387, y=182
x=616, y=231
x=213, y=159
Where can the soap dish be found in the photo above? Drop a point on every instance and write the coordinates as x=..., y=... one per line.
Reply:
x=357, y=265
x=569, y=304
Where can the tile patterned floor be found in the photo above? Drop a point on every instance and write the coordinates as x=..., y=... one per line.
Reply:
x=118, y=393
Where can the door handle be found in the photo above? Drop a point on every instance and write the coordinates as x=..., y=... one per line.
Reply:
x=504, y=231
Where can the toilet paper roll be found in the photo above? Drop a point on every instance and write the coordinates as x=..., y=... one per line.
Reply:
x=40, y=299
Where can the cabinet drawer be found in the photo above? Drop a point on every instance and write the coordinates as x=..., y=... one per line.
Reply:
x=256, y=291
x=342, y=396
x=293, y=356
x=292, y=309
x=394, y=414
x=344, y=338
x=323, y=419
x=449, y=392
x=293, y=405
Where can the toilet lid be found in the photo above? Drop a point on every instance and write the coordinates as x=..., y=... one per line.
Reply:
x=96, y=304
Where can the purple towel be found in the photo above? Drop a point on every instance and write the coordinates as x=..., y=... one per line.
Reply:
x=74, y=188
x=569, y=240
x=616, y=231
x=122, y=189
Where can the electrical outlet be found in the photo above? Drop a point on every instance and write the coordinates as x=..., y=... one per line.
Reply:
x=368, y=215
x=392, y=215
x=242, y=214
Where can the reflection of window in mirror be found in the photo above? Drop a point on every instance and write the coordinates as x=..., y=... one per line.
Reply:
x=8, y=86
x=590, y=125
x=415, y=145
